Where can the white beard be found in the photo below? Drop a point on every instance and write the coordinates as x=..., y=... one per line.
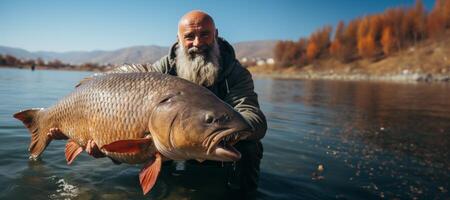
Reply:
x=198, y=68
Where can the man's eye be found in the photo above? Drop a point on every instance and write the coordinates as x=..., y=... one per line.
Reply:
x=189, y=37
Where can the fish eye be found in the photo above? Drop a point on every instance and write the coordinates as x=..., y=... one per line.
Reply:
x=209, y=119
x=167, y=99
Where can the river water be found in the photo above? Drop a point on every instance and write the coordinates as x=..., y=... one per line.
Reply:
x=374, y=140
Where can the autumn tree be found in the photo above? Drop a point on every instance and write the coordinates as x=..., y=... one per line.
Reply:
x=278, y=52
x=336, y=47
x=312, y=50
x=418, y=18
x=388, y=40
x=366, y=39
x=11, y=60
x=286, y=52
x=392, y=18
x=301, y=46
x=436, y=19
x=318, y=43
x=349, y=41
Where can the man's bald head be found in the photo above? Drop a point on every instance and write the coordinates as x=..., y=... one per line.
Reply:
x=195, y=17
x=198, y=53
x=196, y=29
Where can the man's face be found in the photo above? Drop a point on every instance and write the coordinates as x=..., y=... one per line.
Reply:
x=198, y=34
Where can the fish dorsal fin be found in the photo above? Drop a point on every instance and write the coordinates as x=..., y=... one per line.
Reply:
x=128, y=146
x=27, y=116
x=72, y=151
x=84, y=80
x=149, y=173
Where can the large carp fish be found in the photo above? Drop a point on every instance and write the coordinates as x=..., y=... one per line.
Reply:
x=140, y=118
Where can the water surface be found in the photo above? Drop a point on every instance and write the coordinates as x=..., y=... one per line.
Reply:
x=374, y=140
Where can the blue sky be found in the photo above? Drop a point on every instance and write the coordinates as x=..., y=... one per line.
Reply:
x=85, y=25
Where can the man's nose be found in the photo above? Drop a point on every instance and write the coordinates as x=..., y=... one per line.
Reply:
x=197, y=42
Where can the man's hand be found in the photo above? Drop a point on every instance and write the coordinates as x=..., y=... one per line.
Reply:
x=91, y=147
x=56, y=134
x=93, y=150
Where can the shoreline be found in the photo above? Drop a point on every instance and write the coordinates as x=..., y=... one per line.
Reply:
x=403, y=78
x=53, y=68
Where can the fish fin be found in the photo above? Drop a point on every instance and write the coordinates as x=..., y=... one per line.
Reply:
x=39, y=139
x=127, y=146
x=72, y=151
x=84, y=80
x=149, y=173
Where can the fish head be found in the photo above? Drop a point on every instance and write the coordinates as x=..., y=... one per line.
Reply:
x=195, y=124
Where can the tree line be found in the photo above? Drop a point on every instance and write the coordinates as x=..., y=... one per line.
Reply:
x=8, y=60
x=370, y=37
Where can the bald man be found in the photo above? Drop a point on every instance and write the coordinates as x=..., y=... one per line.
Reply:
x=202, y=57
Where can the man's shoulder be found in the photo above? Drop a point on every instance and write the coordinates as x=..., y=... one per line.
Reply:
x=163, y=65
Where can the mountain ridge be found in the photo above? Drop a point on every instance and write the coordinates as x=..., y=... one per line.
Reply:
x=133, y=54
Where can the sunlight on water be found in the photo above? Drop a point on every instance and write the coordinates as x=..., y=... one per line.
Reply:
x=64, y=190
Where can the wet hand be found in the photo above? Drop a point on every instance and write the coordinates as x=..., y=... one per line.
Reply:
x=93, y=150
x=56, y=134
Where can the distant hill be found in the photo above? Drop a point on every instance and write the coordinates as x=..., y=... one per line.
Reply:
x=16, y=52
x=134, y=54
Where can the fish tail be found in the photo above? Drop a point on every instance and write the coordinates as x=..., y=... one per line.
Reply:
x=39, y=138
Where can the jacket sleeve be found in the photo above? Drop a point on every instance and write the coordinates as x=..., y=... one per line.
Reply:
x=161, y=66
x=242, y=98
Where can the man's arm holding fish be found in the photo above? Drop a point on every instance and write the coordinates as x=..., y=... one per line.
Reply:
x=242, y=97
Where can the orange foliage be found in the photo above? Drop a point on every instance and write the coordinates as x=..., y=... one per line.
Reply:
x=336, y=46
x=436, y=21
x=446, y=13
x=318, y=43
x=367, y=37
x=289, y=53
x=312, y=50
x=366, y=46
x=387, y=40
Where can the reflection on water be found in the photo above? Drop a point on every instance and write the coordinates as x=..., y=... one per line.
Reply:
x=373, y=140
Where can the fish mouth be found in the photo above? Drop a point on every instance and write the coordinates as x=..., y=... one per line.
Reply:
x=222, y=141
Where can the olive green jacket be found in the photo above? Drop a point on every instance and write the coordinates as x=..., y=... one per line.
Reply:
x=234, y=84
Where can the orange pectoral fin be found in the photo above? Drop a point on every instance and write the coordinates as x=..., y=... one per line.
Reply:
x=72, y=151
x=149, y=174
x=127, y=146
